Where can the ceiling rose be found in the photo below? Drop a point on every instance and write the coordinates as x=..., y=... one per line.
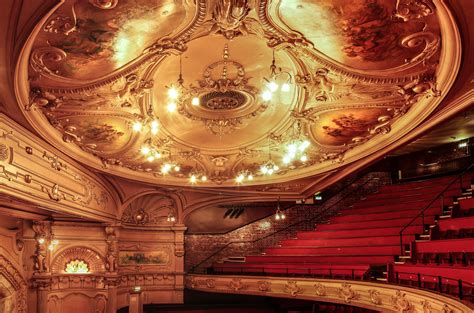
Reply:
x=225, y=92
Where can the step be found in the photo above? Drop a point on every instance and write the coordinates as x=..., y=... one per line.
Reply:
x=394, y=231
x=335, y=259
x=381, y=215
x=376, y=224
x=344, y=242
x=322, y=251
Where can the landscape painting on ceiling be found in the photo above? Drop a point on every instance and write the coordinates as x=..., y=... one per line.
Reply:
x=362, y=33
x=97, y=41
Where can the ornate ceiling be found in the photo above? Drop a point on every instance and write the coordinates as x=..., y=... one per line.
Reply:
x=362, y=74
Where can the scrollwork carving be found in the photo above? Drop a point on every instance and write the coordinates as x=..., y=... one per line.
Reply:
x=347, y=293
x=401, y=303
x=236, y=284
x=54, y=193
x=112, y=248
x=414, y=9
x=104, y=4
x=375, y=296
x=320, y=289
x=264, y=286
x=292, y=288
x=229, y=16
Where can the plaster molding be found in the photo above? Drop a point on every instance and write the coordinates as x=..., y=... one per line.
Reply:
x=374, y=296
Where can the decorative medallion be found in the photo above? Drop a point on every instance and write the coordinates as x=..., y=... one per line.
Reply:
x=292, y=288
x=401, y=303
x=347, y=293
x=320, y=289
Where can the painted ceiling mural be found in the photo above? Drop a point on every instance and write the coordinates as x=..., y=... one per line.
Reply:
x=226, y=92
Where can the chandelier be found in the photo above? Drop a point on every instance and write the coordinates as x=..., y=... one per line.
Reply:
x=279, y=214
x=269, y=167
x=278, y=80
x=176, y=91
x=297, y=146
x=149, y=122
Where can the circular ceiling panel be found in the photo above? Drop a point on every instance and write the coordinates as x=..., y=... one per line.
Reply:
x=219, y=93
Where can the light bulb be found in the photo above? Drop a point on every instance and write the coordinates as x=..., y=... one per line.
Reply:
x=285, y=87
x=283, y=216
x=192, y=179
x=270, y=171
x=304, y=145
x=277, y=216
x=240, y=178
x=173, y=218
x=157, y=155
x=145, y=150
x=137, y=126
x=286, y=159
x=263, y=169
x=150, y=158
x=292, y=148
x=50, y=247
x=55, y=242
x=204, y=178
x=171, y=107
x=272, y=86
x=267, y=95
x=250, y=177
x=304, y=158
x=41, y=240
x=165, y=168
x=154, y=127
x=195, y=101
x=173, y=93
x=177, y=168
x=276, y=167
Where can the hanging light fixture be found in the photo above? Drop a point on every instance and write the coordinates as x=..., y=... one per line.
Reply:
x=150, y=122
x=150, y=152
x=53, y=242
x=243, y=176
x=279, y=215
x=278, y=80
x=176, y=91
x=170, y=218
x=269, y=167
x=296, y=148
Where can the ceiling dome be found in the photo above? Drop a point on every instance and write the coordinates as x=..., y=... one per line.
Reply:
x=219, y=93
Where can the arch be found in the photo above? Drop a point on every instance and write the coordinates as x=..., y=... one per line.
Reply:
x=93, y=259
x=153, y=208
x=14, y=285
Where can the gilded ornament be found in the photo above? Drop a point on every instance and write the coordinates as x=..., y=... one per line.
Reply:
x=347, y=293
x=236, y=284
x=414, y=9
x=320, y=290
x=292, y=288
x=375, y=296
x=264, y=286
x=104, y=4
x=400, y=302
x=427, y=307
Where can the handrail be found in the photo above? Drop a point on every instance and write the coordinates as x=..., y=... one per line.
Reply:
x=422, y=211
x=193, y=268
x=439, y=283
